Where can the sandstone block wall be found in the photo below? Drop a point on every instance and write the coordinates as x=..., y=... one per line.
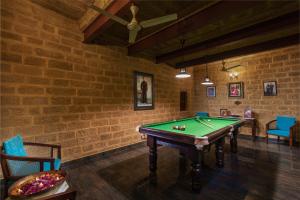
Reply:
x=55, y=89
x=280, y=65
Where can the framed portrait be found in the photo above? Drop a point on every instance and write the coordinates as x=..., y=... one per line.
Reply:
x=223, y=112
x=143, y=91
x=270, y=88
x=211, y=91
x=236, y=89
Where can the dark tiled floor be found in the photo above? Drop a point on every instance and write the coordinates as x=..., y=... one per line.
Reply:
x=258, y=171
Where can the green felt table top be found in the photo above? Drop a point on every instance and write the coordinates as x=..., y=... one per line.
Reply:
x=196, y=126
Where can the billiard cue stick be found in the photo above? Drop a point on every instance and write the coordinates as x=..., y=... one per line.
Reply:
x=204, y=123
x=207, y=124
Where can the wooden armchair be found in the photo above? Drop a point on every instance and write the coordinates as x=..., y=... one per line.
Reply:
x=285, y=127
x=16, y=163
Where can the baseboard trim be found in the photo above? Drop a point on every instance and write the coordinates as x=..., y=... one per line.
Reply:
x=78, y=161
x=140, y=144
x=270, y=140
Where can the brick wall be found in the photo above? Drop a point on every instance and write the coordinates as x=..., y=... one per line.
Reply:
x=281, y=65
x=55, y=89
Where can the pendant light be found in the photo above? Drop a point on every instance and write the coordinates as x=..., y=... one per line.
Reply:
x=207, y=81
x=182, y=73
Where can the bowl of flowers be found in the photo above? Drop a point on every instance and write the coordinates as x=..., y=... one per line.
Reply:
x=36, y=184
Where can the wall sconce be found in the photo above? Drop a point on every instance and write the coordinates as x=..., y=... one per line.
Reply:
x=233, y=75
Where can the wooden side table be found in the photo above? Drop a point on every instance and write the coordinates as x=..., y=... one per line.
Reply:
x=70, y=194
x=249, y=121
x=253, y=123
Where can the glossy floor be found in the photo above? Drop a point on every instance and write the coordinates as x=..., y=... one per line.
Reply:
x=258, y=171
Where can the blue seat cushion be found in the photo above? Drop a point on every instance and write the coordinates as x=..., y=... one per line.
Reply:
x=24, y=168
x=202, y=114
x=279, y=132
x=285, y=122
x=14, y=146
x=47, y=166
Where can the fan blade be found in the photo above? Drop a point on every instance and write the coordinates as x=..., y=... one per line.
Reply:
x=228, y=68
x=158, y=20
x=107, y=14
x=132, y=34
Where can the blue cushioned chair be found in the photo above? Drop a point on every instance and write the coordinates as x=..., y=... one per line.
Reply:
x=285, y=127
x=202, y=114
x=16, y=163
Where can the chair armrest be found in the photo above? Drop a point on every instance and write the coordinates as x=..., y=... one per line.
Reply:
x=269, y=123
x=52, y=146
x=293, y=128
x=41, y=160
x=26, y=158
x=42, y=144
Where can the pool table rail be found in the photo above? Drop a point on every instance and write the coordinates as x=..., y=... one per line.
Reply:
x=198, y=142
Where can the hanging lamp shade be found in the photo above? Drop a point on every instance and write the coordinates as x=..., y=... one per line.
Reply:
x=183, y=74
x=207, y=81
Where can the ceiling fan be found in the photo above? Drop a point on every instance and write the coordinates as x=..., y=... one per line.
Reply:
x=226, y=69
x=134, y=26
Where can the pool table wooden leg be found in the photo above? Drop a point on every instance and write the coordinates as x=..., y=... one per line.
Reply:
x=182, y=166
x=151, y=142
x=233, y=141
x=196, y=170
x=220, y=152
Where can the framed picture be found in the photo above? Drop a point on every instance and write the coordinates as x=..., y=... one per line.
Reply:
x=236, y=89
x=211, y=91
x=270, y=88
x=223, y=112
x=143, y=91
x=248, y=112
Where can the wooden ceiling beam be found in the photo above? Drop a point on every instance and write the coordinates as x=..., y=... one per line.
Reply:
x=90, y=15
x=102, y=22
x=268, y=26
x=263, y=46
x=195, y=20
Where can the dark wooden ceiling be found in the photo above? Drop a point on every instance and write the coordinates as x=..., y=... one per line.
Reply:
x=213, y=30
x=70, y=8
x=147, y=10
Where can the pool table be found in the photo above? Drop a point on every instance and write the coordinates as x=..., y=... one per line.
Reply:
x=192, y=136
